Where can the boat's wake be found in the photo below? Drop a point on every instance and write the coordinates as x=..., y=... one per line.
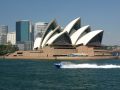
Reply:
x=86, y=65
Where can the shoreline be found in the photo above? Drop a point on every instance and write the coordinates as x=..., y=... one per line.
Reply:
x=62, y=58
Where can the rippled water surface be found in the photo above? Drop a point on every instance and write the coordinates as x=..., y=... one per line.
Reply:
x=43, y=75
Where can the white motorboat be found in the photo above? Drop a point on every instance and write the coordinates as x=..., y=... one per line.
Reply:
x=61, y=64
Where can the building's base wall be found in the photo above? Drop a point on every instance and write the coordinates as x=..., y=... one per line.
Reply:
x=53, y=53
x=89, y=51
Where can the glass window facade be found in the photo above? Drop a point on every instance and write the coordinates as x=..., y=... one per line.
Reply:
x=24, y=34
x=22, y=31
x=3, y=34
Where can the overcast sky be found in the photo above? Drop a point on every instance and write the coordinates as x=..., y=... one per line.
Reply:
x=99, y=14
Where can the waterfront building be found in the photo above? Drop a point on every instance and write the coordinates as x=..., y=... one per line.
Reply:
x=11, y=38
x=74, y=38
x=3, y=34
x=24, y=34
x=39, y=29
x=74, y=41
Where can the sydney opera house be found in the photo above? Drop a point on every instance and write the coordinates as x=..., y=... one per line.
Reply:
x=72, y=35
x=72, y=41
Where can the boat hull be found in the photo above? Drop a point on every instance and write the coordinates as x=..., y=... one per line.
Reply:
x=58, y=65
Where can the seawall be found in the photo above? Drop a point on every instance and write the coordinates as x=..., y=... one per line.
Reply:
x=64, y=58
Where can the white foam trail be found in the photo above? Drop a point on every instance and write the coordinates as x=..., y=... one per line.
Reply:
x=107, y=66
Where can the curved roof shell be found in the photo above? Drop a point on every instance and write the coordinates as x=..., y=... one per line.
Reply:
x=73, y=26
x=79, y=33
x=49, y=35
x=37, y=43
x=60, y=39
x=51, y=26
x=90, y=36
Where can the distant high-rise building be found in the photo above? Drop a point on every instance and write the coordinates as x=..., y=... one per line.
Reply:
x=3, y=34
x=39, y=29
x=24, y=34
x=11, y=37
x=23, y=28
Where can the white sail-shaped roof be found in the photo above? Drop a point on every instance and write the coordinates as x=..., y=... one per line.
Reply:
x=46, y=38
x=52, y=39
x=51, y=26
x=71, y=24
x=72, y=34
x=37, y=43
x=75, y=36
x=86, y=38
x=50, y=35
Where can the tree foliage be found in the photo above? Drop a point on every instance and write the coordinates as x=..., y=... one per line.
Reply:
x=6, y=49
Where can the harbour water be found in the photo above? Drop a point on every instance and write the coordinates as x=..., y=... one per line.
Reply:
x=43, y=75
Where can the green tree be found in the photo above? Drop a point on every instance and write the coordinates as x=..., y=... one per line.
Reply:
x=5, y=49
